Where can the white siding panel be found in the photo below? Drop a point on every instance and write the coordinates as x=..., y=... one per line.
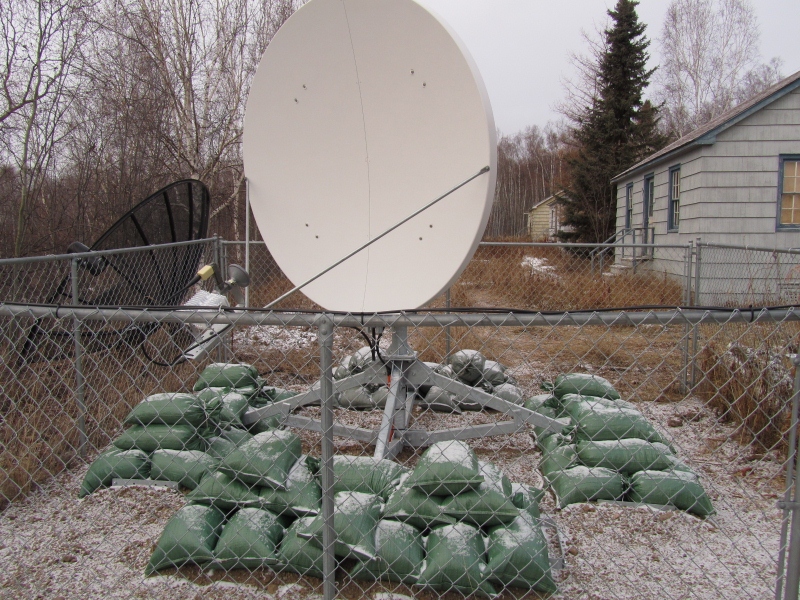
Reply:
x=755, y=148
x=767, y=132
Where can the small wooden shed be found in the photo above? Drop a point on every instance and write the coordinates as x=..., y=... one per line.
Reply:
x=544, y=219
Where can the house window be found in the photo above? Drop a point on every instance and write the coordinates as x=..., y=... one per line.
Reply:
x=628, y=205
x=649, y=194
x=674, y=215
x=789, y=193
x=553, y=223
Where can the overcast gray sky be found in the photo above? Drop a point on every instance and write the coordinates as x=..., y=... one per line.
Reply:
x=522, y=47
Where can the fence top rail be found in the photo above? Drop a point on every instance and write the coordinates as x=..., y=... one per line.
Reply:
x=94, y=253
x=526, y=245
x=577, y=245
x=793, y=251
x=669, y=316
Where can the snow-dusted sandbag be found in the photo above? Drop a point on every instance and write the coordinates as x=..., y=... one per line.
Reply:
x=446, y=468
x=249, y=540
x=468, y=365
x=517, y=555
x=678, y=488
x=298, y=553
x=186, y=467
x=265, y=459
x=624, y=456
x=488, y=505
x=301, y=496
x=455, y=561
x=225, y=375
x=584, y=384
x=400, y=555
x=582, y=484
x=366, y=474
x=115, y=463
x=224, y=492
x=188, y=538
x=355, y=516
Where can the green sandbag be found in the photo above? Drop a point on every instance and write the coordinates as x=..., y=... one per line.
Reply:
x=678, y=488
x=356, y=399
x=487, y=506
x=114, y=464
x=537, y=403
x=224, y=492
x=400, y=555
x=219, y=375
x=302, y=495
x=366, y=474
x=517, y=555
x=186, y=467
x=676, y=464
x=509, y=393
x=264, y=460
x=416, y=507
x=160, y=437
x=355, y=516
x=582, y=484
x=526, y=497
x=558, y=460
x=446, y=468
x=172, y=409
x=269, y=394
x=249, y=540
x=468, y=365
x=454, y=561
x=188, y=538
x=542, y=433
x=298, y=553
x=624, y=456
x=226, y=441
x=572, y=403
x=494, y=373
x=582, y=383
x=598, y=423
x=441, y=400
x=233, y=406
x=272, y=423
x=552, y=442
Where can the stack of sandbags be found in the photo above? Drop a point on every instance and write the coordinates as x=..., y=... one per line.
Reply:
x=456, y=523
x=240, y=511
x=181, y=437
x=608, y=450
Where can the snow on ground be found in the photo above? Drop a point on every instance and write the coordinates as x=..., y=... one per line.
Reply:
x=53, y=545
x=538, y=265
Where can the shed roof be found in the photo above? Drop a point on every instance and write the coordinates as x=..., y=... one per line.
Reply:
x=549, y=200
x=706, y=134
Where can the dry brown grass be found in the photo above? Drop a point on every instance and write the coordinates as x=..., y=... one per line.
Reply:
x=39, y=429
x=497, y=277
x=748, y=381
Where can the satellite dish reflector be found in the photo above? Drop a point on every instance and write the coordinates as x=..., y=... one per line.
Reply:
x=361, y=113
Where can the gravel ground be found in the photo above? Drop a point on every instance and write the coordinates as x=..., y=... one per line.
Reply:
x=53, y=545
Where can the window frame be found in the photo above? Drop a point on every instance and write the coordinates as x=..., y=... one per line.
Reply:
x=649, y=193
x=782, y=158
x=629, y=206
x=672, y=226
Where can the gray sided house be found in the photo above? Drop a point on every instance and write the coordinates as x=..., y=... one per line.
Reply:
x=734, y=180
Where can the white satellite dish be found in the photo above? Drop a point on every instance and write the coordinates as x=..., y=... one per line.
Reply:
x=361, y=113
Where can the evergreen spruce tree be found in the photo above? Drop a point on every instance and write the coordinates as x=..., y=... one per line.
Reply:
x=615, y=132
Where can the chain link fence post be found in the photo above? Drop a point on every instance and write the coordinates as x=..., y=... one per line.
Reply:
x=325, y=332
x=791, y=505
x=79, y=380
x=696, y=303
x=448, y=340
x=687, y=301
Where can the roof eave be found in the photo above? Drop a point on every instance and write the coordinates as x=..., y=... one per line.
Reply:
x=709, y=138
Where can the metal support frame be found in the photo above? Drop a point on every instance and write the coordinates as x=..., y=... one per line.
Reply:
x=406, y=375
x=791, y=506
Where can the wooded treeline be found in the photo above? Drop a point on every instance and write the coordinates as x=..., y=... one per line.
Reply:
x=104, y=101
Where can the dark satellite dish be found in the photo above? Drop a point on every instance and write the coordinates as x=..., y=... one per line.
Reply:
x=176, y=213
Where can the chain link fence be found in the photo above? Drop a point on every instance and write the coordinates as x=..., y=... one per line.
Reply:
x=432, y=454
x=265, y=478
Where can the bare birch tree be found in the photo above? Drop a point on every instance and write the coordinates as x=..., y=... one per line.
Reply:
x=40, y=44
x=709, y=61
